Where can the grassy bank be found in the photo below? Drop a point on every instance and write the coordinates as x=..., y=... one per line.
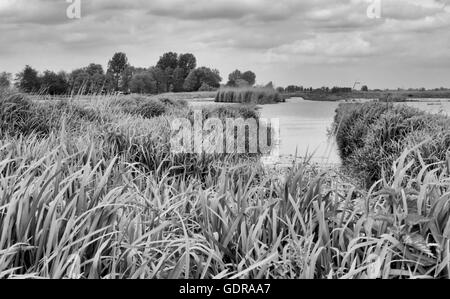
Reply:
x=88, y=197
x=251, y=95
x=372, y=136
x=390, y=95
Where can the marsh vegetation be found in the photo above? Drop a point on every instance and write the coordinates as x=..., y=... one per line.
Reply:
x=93, y=191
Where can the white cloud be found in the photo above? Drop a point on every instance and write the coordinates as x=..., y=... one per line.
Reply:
x=227, y=34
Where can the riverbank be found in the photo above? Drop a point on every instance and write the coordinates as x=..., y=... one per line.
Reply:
x=390, y=95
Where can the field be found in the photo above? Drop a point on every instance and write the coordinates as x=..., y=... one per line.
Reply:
x=390, y=95
x=91, y=190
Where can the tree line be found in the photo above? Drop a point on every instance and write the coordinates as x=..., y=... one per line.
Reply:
x=173, y=73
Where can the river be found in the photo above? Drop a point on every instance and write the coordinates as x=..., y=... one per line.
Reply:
x=304, y=127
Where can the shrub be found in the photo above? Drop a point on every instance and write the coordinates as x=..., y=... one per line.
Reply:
x=206, y=87
x=372, y=136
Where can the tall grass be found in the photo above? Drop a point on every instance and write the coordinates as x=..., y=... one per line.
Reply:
x=250, y=95
x=72, y=206
x=372, y=136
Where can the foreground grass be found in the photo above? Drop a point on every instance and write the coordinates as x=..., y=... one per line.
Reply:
x=70, y=208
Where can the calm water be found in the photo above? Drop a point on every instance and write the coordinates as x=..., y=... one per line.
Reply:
x=304, y=126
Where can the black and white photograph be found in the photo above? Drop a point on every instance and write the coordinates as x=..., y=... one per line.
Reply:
x=224, y=140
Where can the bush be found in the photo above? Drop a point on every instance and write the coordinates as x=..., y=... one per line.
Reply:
x=372, y=136
x=147, y=107
x=152, y=108
x=206, y=87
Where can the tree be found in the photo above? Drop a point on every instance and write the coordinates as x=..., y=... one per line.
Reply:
x=161, y=79
x=94, y=69
x=90, y=80
x=116, y=66
x=365, y=88
x=5, y=80
x=169, y=59
x=236, y=77
x=143, y=82
x=79, y=81
x=206, y=87
x=197, y=77
x=54, y=84
x=250, y=77
x=179, y=74
x=188, y=62
x=28, y=80
x=240, y=83
x=169, y=75
x=233, y=77
x=125, y=78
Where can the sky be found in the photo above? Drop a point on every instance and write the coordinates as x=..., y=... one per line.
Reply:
x=302, y=42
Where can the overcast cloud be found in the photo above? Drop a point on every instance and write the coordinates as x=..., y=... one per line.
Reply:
x=312, y=43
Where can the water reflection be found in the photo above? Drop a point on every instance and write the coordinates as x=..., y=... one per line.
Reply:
x=303, y=128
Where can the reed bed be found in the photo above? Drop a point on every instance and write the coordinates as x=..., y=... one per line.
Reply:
x=74, y=206
x=250, y=95
x=372, y=136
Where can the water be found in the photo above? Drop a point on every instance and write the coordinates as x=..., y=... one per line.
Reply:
x=304, y=126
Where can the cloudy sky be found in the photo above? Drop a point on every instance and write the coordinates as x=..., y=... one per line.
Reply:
x=305, y=42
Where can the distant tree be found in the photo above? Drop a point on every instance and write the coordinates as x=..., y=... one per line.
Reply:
x=28, y=80
x=54, y=84
x=188, y=62
x=250, y=77
x=79, y=81
x=125, y=78
x=280, y=89
x=341, y=89
x=201, y=75
x=365, y=88
x=179, y=75
x=233, y=77
x=192, y=82
x=241, y=83
x=169, y=75
x=5, y=80
x=116, y=66
x=91, y=80
x=161, y=79
x=169, y=59
x=206, y=87
x=144, y=83
x=93, y=69
x=294, y=88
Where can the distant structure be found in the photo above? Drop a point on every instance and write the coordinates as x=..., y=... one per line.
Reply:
x=356, y=84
